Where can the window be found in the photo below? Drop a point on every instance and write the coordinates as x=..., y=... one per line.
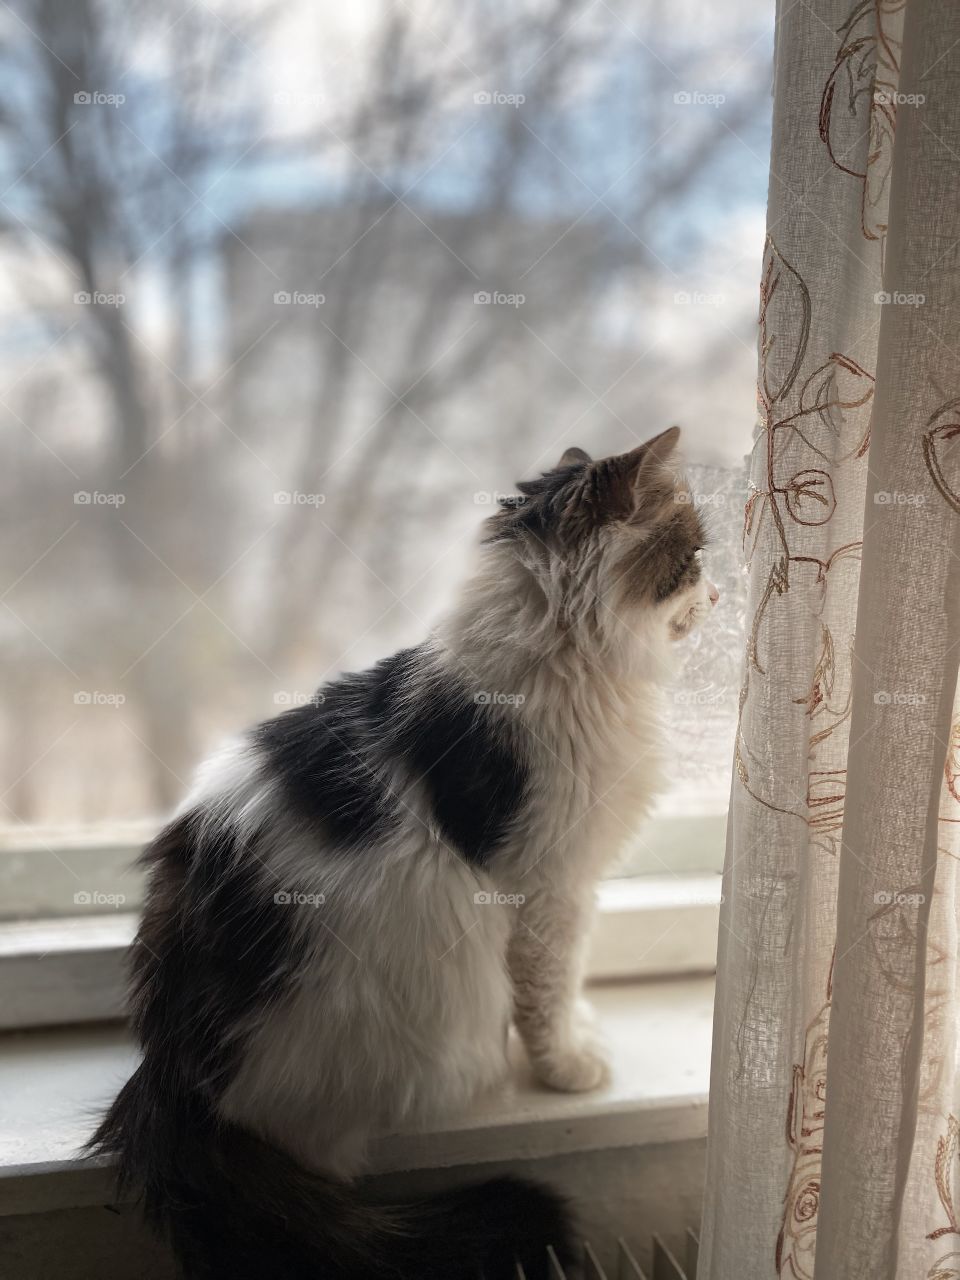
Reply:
x=291, y=294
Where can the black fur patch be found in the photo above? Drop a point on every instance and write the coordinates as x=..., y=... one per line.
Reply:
x=474, y=777
x=323, y=756
x=212, y=951
x=333, y=758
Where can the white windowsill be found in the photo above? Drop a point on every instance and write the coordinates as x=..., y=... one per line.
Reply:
x=54, y=1083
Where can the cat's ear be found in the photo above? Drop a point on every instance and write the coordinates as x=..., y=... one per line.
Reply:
x=640, y=480
x=661, y=447
x=574, y=457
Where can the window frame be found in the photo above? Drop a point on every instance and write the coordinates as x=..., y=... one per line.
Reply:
x=68, y=969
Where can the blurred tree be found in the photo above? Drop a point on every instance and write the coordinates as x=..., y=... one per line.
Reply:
x=115, y=120
x=535, y=149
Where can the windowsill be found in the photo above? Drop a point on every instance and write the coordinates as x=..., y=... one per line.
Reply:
x=53, y=1084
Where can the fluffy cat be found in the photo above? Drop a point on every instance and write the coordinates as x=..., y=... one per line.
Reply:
x=361, y=893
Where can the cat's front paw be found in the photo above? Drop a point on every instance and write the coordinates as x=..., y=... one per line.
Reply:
x=574, y=1069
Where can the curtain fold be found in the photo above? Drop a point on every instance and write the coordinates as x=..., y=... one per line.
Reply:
x=834, y=1132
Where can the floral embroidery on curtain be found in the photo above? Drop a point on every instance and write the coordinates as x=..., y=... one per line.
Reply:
x=843, y=862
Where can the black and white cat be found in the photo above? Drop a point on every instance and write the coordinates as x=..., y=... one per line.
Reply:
x=361, y=893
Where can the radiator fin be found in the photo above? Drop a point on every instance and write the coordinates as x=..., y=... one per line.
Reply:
x=693, y=1254
x=628, y=1268
x=665, y=1265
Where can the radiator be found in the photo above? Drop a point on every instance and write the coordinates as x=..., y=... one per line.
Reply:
x=665, y=1265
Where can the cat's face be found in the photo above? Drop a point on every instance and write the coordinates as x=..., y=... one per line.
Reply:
x=616, y=539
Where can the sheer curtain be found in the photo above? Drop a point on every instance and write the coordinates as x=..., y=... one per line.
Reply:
x=834, y=1148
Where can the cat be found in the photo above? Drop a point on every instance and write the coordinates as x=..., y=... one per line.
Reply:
x=361, y=893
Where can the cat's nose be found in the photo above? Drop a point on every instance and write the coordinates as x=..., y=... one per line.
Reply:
x=714, y=594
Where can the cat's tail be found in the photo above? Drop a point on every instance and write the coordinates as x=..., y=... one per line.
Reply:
x=235, y=1208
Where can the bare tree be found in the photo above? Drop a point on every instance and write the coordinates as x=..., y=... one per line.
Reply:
x=116, y=120
x=152, y=208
